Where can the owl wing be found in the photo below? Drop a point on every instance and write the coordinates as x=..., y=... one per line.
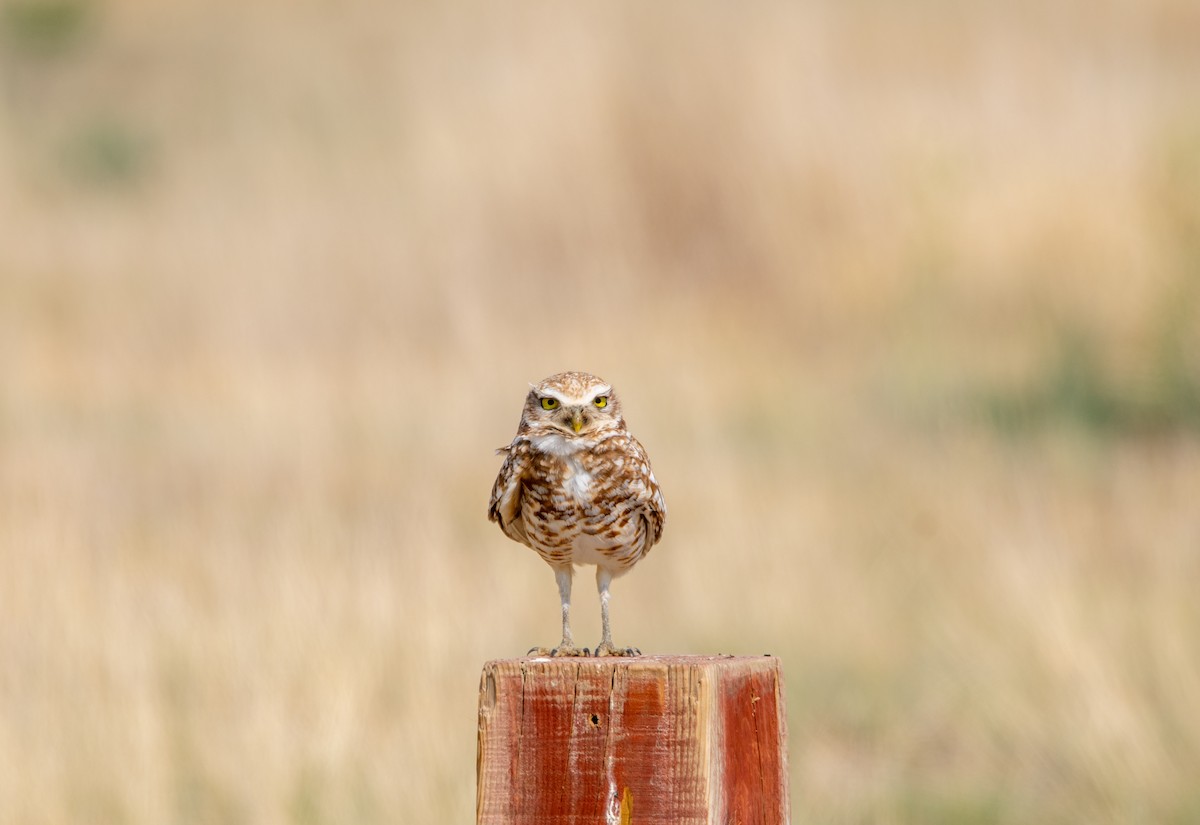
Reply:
x=505, y=505
x=649, y=497
x=655, y=513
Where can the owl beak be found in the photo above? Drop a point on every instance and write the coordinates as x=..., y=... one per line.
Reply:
x=577, y=420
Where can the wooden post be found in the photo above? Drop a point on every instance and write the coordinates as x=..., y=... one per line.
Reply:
x=654, y=740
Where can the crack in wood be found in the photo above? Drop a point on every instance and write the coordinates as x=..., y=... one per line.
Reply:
x=758, y=746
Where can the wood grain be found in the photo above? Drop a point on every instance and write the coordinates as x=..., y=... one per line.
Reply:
x=655, y=739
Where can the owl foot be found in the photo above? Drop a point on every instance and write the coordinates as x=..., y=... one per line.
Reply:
x=560, y=651
x=607, y=649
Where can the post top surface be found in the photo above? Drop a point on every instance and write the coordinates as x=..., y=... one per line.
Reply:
x=668, y=659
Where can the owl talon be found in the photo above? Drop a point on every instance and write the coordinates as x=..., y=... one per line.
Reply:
x=569, y=650
x=557, y=652
x=607, y=649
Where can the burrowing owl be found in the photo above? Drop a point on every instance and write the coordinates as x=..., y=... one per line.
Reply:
x=577, y=488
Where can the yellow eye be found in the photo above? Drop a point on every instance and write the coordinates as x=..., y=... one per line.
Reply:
x=600, y=400
x=549, y=403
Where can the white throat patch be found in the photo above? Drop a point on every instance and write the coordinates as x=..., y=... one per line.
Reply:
x=578, y=481
x=556, y=444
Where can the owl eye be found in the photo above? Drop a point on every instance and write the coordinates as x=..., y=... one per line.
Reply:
x=600, y=401
x=549, y=403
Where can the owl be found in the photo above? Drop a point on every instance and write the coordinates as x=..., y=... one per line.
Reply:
x=577, y=488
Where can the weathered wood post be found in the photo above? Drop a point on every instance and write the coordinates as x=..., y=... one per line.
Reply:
x=668, y=740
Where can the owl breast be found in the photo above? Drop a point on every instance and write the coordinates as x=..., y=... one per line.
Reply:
x=583, y=503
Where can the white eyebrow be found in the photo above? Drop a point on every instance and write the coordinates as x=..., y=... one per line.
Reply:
x=567, y=399
x=549, y=393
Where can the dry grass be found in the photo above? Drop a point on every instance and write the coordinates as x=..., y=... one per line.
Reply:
x=272, y=281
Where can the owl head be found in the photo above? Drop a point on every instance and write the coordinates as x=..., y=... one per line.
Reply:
x=572, y=404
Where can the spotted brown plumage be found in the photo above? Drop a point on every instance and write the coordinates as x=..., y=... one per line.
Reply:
x=577, y=488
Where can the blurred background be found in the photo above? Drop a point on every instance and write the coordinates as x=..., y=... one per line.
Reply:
x=902, y=298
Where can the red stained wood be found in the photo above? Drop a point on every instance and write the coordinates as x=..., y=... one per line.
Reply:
x=749, y=710
x=655, y=739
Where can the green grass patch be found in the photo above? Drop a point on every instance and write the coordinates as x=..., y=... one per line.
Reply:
x=45, y=28
x=1079, y=389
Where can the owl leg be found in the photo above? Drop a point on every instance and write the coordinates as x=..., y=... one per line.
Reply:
x=606, y=648
x=566, y=647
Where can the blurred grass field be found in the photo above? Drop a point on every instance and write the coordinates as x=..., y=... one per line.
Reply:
x=903, y=299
